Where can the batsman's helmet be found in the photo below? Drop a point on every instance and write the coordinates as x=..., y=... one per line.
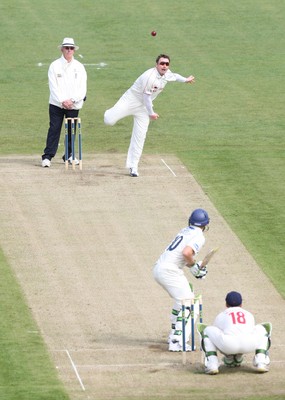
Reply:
x=199, y=217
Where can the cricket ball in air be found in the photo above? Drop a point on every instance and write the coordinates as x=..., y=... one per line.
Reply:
x=153, y=33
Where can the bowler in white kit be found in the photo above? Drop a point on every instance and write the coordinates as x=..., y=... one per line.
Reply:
x=137, y=101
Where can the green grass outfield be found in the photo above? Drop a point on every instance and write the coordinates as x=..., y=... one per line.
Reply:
x=228, y=128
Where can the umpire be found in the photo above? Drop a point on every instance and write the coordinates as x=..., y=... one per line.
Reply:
x=68, y=86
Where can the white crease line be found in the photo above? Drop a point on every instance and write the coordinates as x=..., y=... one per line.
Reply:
x=132, y=348
x=75, y=370
x=101, y=65
x=168, y=167
x=99, y=366
x=158, y=365
x=161, y=364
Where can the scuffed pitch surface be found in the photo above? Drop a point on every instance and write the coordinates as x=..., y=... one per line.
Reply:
x=82, y=245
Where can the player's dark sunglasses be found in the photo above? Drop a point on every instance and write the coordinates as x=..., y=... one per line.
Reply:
x=164, y=63
x=69, y=48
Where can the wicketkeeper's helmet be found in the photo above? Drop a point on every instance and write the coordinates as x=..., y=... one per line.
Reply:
x=199, y=217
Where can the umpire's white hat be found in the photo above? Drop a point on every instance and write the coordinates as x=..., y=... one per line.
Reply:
x=68, y=42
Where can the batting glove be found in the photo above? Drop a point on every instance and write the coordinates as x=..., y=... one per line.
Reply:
x=198, y=272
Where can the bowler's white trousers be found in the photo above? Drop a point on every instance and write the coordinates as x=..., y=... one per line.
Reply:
x=129, y=105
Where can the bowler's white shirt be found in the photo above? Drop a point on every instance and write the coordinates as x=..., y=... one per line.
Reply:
x=152, y=83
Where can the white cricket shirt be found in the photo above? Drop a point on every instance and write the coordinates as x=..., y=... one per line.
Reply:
x=235, y=321
x=191, y=236
x=67, y=80
x=151, y=82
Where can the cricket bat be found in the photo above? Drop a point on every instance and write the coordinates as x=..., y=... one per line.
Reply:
x=208, y=257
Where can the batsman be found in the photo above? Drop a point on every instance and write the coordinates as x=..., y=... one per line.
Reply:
x=168, y=272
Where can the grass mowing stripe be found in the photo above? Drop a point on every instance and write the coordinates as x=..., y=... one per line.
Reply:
x=27, y=373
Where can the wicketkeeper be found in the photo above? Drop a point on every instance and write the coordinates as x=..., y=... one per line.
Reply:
x=234, y=333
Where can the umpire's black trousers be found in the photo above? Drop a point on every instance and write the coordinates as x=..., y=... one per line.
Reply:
x=56, y=116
